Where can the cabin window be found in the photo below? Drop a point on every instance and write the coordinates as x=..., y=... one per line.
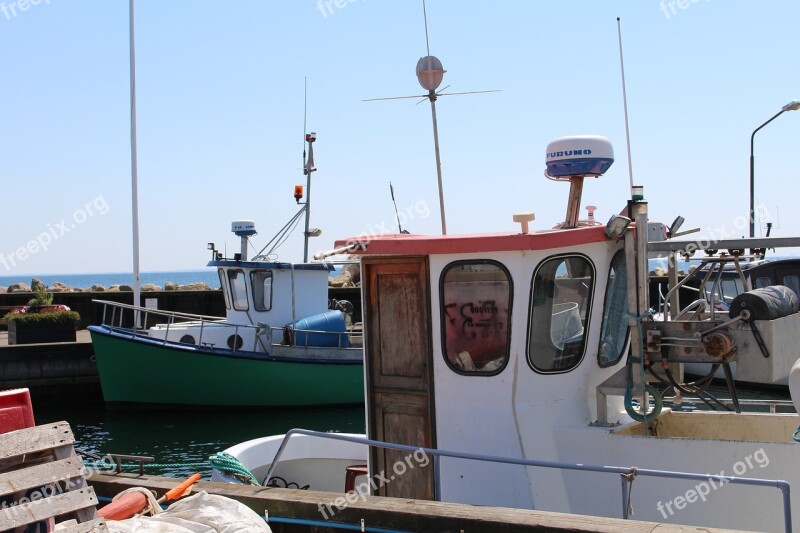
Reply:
x=793, y=282
x=476, y=316
x=614, y=332
x=763, y=281
x=238, y=290
x=223, y=285
x=560, y=303
x=261, y=280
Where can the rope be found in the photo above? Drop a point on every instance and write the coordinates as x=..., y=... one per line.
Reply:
x=105, y=465
x=228, y=464
x=153, y=507
x=630, y=477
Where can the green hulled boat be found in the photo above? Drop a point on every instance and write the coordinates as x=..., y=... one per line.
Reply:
x=281, y=343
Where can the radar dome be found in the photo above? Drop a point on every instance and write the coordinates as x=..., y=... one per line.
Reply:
x=579, y=155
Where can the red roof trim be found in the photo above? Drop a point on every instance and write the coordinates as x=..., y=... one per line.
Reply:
x=402, y=244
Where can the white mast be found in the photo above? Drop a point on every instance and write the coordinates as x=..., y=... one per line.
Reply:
x=134, y=168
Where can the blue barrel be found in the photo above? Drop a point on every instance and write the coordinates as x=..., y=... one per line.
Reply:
x=323, y=330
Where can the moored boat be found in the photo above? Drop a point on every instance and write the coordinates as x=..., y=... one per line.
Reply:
x=282, y=342
x=504, y=370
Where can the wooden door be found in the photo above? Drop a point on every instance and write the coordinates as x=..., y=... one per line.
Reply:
x=398, y=360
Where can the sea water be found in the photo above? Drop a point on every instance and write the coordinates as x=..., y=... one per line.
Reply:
x=181, y=441
x=107, y=279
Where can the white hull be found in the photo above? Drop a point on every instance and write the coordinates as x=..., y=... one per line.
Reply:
x=754, y=446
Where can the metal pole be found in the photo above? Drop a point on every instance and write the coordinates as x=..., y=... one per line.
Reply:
x=134, y=168
x=753, y=173
x=432, y=96
x=308, y=166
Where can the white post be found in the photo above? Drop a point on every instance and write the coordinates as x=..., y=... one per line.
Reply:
x=134, y=169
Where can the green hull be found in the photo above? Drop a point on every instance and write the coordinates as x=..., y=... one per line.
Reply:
x=139, y=373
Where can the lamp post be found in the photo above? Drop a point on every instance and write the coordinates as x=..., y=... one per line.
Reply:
x=791, y=106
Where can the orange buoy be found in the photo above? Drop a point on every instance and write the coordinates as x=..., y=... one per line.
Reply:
x=125, y=507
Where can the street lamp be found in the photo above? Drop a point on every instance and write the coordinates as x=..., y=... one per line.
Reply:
x=791, y=106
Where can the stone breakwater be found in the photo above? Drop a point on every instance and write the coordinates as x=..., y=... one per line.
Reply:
x=58, y=287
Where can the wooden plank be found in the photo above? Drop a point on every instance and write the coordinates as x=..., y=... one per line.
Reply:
x=66, y=474
x=35, y=439
x=393, y=513
x=95, y=526
x=41, y=509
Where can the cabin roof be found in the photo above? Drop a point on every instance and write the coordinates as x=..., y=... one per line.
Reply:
x=409, y=244
x=266, y=265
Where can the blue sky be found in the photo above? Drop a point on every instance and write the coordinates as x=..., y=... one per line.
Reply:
x=220, y=119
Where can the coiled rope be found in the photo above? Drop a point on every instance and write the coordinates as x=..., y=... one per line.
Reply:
x=230, y=465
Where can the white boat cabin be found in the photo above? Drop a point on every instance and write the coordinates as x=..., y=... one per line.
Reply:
x=271, y=307
x=516, y=345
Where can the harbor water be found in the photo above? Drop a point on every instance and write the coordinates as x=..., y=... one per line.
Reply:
x=181, y=441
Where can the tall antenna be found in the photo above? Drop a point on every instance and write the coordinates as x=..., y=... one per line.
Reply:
x=430, y=74
x=625, y=105
x=396, y=214
x=425, y=16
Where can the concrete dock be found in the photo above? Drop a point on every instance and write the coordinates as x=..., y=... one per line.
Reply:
x=54, y=372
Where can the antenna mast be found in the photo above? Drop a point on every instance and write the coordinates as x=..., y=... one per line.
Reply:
x=308, y=168
x=396, y=214
x=430, y=74
x=625, y=105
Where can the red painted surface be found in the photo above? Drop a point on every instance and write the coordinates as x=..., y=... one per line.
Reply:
x=399, y=244
x=16, y=411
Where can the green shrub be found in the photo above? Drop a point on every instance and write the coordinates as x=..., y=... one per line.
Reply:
x=52, y=317
x=42, y=297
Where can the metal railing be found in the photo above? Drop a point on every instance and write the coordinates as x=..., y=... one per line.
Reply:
x=140, y=317
x=626, y=474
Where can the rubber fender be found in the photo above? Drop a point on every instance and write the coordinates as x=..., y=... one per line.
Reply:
x=125, y=507
x=766, y=303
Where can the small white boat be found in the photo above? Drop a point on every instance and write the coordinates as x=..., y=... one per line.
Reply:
x=503, y=370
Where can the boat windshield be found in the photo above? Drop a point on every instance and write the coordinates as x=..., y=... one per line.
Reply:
x=560, y=298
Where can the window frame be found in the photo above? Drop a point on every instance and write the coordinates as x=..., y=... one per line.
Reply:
x=223, y=282
x=254, y=287
x=625, y=343
x=443, y=317
x=233, y=293
x=589, y=309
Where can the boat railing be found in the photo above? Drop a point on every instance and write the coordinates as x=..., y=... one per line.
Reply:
x=627, y=474
x=135, y=320
x=140, y=317
x=773, y=406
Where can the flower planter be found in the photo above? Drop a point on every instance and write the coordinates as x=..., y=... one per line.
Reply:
x=19, y=333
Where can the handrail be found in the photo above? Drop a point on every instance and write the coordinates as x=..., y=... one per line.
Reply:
x=630, y=472
x=170, y=317
x=158, y=311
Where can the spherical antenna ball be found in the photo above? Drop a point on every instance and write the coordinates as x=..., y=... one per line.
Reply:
x=430, y=72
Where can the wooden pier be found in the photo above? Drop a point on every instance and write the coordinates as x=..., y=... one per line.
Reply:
x=311, y=510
